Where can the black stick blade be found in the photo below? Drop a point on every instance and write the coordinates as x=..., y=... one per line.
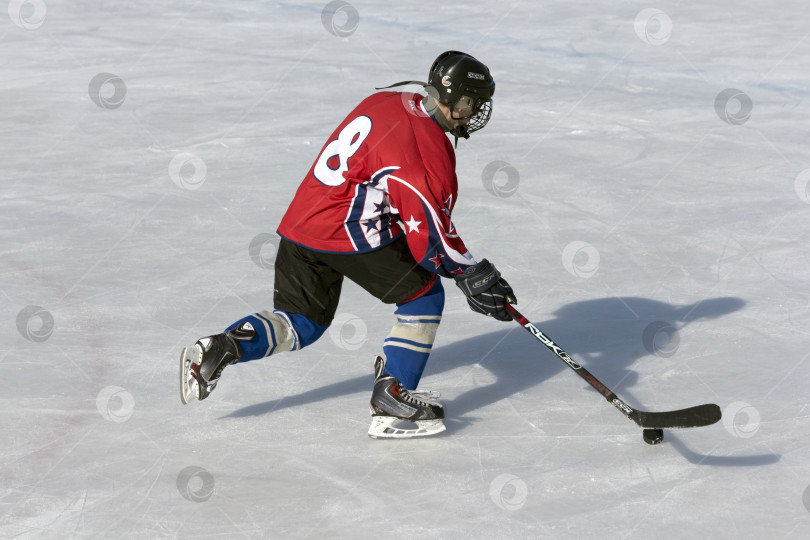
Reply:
x=701, y=415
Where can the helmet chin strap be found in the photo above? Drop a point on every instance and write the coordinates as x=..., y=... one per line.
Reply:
x=432, y=107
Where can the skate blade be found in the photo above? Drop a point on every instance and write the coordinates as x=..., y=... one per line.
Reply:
x=382, y=427
x=189, y=387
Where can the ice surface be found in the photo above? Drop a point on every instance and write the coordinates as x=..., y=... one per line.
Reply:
x=653, y=225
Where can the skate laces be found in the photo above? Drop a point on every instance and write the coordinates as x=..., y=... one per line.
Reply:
x=429, y=395
x=424, y=397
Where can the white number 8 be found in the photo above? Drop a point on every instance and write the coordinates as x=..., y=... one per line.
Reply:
x=345, y=146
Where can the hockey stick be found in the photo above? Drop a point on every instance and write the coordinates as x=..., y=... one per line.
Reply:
x=701, y=415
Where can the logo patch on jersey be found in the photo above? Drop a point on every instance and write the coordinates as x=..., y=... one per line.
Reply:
x=446, y=80
x=474, y=75
x=446, y=211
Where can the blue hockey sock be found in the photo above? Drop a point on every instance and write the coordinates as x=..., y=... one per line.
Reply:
x=277, y=332
x=408, y=346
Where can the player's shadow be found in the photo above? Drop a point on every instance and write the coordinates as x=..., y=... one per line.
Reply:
x=607, y=335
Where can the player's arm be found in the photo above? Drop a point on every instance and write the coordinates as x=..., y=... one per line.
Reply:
x=425, y=219
x=436, y=246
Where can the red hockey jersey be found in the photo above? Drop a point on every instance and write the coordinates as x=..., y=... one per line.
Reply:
x=387, y=170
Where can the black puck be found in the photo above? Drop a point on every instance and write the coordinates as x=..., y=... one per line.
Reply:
x=653, y=436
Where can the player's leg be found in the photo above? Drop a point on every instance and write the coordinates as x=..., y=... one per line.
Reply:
x=393, y=276
x=407, y=349
x=306, y=295
x=410, y=341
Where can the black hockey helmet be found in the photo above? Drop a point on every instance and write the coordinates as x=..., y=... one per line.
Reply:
x=465, y=85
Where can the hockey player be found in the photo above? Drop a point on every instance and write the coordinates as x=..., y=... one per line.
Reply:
x=375, y=208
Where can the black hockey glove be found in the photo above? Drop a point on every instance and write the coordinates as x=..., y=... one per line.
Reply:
x=487, y=292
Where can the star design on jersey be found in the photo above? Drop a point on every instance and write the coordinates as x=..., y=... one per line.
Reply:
x=437, y=259
x=413, y=225
x=380, y=208
x=372, y=224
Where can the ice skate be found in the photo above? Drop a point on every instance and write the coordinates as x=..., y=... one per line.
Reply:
x=202, y=364
x=395, y=409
